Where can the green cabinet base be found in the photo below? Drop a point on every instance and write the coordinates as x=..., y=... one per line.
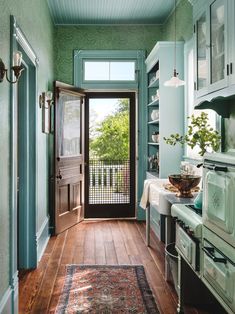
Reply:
x=157, y=223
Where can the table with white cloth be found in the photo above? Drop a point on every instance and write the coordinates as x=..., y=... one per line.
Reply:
x=156, y=194
x=153, y=193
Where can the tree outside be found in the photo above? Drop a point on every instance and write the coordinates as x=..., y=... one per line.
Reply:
x=110, y=137
x=109, y=143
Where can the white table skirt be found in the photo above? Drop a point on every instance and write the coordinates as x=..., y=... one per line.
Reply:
x=154, y=193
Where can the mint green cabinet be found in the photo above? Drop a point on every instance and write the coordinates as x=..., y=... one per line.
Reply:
x=201, y=62
x=212, y=60
x=165, y=108
x=214, y=22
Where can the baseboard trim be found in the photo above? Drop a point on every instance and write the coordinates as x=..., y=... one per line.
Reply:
x=42, y=238
x=6, y=301
x=15, y=290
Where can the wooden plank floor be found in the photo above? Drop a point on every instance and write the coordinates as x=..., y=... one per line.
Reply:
x=95, y=242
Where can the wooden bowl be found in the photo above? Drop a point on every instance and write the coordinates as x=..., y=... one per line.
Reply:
x=184, y=183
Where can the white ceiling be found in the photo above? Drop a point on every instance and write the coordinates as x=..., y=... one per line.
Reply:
x=85, y=12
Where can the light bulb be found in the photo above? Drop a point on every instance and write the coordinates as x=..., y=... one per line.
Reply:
x=49, y=95
x=174, y=81
x=17, y=58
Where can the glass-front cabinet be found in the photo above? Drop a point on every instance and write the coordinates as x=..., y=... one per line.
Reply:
x=218, y=42
x=201, y=45
x=212, y=53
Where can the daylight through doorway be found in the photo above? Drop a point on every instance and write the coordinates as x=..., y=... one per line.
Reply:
x=110, y=154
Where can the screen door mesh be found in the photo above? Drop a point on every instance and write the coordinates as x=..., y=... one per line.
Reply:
x=109, y=181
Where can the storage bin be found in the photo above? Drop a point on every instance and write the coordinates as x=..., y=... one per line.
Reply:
x=172, y=260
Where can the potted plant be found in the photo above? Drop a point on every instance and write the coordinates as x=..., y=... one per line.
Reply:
x=200, y=134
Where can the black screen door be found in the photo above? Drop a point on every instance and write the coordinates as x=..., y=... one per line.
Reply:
x=110, y=155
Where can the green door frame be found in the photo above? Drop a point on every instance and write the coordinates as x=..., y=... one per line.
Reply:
x=139, y=86
x=27, y=255
x=29, y=245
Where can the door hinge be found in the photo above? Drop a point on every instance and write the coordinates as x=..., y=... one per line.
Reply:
x=231, y=68
x=194, y=28
x=227, y=69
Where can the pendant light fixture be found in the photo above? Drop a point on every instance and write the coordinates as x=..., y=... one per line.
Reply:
x=174, y=81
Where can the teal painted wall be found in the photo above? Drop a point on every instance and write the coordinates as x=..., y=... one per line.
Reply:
x=184, y=23
x=34, y=19
x=68, y=38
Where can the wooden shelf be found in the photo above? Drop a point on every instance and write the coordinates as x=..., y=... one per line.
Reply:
x=153, y=173
x=153, y=143
x=155, y=83
x=154, y=122
x=153, y=103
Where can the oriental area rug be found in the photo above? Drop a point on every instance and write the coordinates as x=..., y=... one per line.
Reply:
x=104, y=289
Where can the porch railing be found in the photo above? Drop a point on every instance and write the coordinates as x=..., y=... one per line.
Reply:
x=109, y=181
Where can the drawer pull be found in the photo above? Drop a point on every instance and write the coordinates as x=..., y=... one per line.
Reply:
x=210, y=252
x=216, y=168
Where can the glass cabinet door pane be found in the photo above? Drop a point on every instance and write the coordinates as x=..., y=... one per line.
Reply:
x=201, y=53
x=217, y=41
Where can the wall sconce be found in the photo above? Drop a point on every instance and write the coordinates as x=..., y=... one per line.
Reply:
x=17, y=68
x=45, y=102
x=46, y=98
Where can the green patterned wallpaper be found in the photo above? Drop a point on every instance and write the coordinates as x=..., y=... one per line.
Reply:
x=34, y=19
x=184, y=23
x=68, y=38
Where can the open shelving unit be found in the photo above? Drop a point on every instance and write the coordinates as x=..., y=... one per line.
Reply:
x=169, y=102
x=153, y=124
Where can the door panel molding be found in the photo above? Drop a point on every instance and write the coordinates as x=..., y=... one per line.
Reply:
x=68, y=171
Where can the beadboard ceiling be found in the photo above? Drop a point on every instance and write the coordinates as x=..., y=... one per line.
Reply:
x=93, y=12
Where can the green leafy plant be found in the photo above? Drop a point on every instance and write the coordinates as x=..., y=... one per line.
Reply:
x=199, y=133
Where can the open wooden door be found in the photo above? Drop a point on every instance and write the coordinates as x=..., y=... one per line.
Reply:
x=69, y=161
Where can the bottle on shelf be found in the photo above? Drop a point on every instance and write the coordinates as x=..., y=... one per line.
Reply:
x=154, y=162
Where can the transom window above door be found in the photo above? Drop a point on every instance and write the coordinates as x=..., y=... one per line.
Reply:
x=109, y=70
